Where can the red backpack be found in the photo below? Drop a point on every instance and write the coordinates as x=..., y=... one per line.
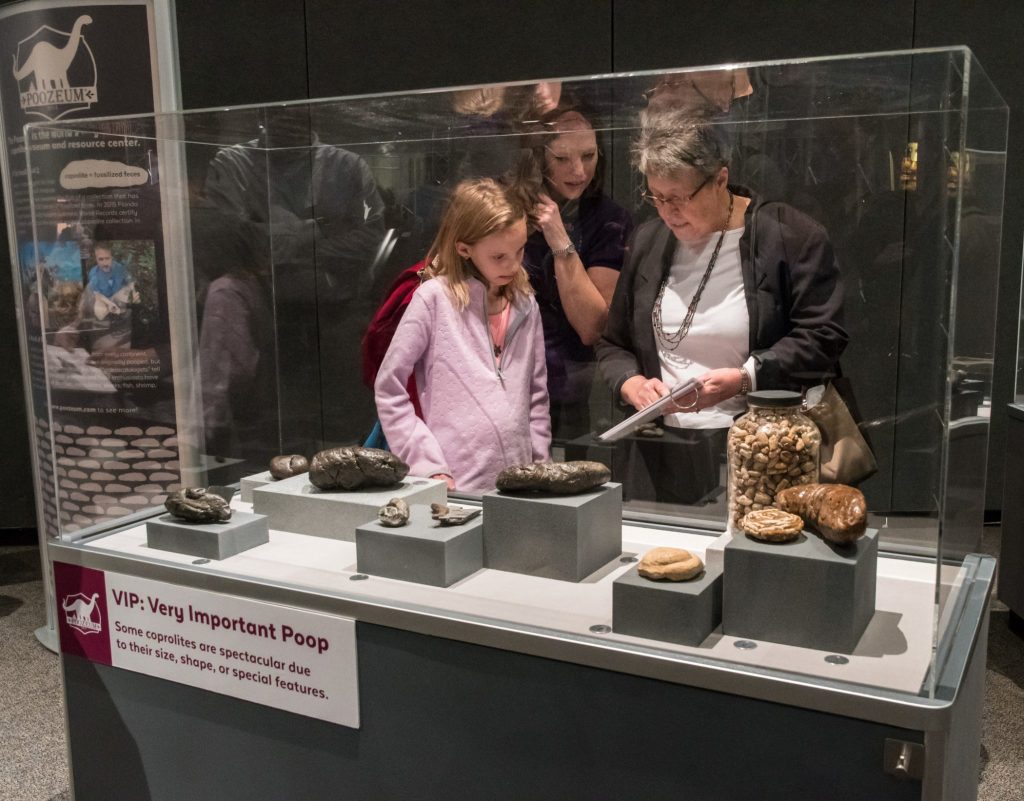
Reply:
x=385, y=321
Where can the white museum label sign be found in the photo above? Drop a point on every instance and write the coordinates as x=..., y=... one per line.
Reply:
x=291, y=659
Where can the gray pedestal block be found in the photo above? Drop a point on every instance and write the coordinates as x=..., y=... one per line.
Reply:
x=249, y=483
x=683, y=612
x=564, y=537
x=293, y=504
x=807, y=593
x=421, y=551
x=208, y=540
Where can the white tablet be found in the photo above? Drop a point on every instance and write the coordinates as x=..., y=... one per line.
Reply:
x=655, y=410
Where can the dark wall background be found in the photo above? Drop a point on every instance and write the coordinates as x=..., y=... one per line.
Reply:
x=252, y=51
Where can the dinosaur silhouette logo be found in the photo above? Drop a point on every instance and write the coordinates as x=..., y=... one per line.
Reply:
x=81, y=613
x=58, y=74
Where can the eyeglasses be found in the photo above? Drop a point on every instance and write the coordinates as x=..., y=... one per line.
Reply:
x=673, y=203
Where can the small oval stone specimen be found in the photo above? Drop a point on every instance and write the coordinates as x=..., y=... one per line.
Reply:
x=670, y=564
x=352, y=467
x=197, y=505
x=772, y=525
x=394, y=513
x=452, y=515
x=289, y=465
x=837, y=512
x=557, y=478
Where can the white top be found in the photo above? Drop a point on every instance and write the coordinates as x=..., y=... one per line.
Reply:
x=720, y=333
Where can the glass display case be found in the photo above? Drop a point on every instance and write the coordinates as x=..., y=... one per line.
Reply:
x=201, y=284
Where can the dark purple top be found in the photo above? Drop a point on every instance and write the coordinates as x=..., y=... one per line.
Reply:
x=599, y=228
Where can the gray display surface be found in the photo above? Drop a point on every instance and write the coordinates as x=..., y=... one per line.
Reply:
x=208, y=540
x=565, y=537
x=421, y=551
x=248, y=483
x=685, y=612
x=807, y=592
x=293, y=504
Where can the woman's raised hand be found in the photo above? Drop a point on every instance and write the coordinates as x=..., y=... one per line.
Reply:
x=549, y=220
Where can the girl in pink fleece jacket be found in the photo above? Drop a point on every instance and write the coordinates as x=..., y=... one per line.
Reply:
x=472, y=337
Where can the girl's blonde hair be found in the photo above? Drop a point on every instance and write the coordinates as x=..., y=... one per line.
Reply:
x=478, y=208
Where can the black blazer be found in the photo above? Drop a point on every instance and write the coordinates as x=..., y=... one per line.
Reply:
x=794, y=299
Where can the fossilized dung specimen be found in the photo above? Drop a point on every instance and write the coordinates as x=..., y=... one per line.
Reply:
x=670, y=564
x=452, y=515
x=838, y=512
x=198, y=505
x=394, y=513
x=772, y=525
x=558, y=478
x=288, y=465
x=353, y=467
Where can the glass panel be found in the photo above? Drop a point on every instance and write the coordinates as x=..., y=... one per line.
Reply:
x=260, y=242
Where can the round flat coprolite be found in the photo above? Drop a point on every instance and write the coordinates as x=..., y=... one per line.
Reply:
x=200, y=561
x=746, y=645
x=628, y=559
x=836, y=659
x=600, y=628
x=358, y=577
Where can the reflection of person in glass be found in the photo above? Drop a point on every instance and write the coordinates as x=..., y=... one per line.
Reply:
x=237, y=356
x=546, y=96
x=573, y=260
x=315, y=216
x=726, y=287
x=472, y=337
x=699, y=93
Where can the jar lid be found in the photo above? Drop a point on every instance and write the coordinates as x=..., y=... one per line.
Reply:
x=774, y=397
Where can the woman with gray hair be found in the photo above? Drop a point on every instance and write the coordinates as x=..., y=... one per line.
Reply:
x=736, y=291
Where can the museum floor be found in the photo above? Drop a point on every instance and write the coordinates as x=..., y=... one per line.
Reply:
x=34, y=765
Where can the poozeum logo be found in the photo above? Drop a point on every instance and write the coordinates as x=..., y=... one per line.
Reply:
x=81, y=613
x=56, y=71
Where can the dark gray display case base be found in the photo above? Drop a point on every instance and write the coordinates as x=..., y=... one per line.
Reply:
x=208, y=540
x=806, y=592
x=421, y=551
x=683, y=612
x=503, y=726
x=515, y=715
x=565, y=537
x=293, y=504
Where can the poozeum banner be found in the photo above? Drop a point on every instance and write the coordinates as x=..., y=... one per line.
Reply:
x=88, y=255
x=291, y=659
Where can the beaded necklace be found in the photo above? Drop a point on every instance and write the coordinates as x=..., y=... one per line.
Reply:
x=671, y=341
